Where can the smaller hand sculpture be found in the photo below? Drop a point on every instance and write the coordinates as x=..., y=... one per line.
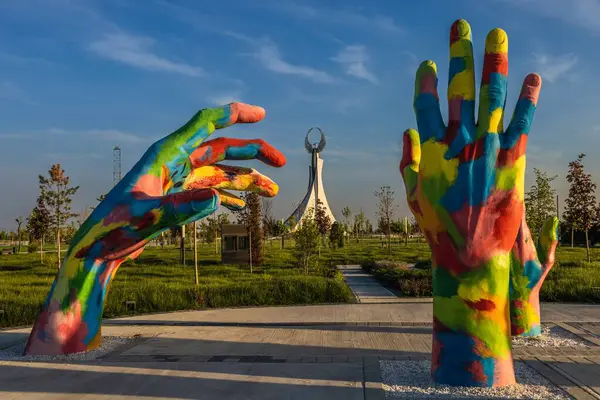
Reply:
x=465, y=185
x=177, y=181
x=529, y=267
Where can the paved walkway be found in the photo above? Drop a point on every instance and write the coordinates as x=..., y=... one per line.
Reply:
x=365, y=288
x=312, y=352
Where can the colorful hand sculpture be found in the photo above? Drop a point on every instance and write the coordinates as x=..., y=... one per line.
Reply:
x=528, y=269
x=465, y=186
x=177, y=181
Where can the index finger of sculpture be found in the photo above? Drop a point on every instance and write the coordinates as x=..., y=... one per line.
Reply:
x=492, y=95
x=231, y=178
x=461, y=88
x=515, y=138
x=216, y=150
x=426, y=103
x=203, y=124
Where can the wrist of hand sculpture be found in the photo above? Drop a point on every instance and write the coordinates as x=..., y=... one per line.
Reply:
x=529, y=267
x=177, y=181
x=465, y=186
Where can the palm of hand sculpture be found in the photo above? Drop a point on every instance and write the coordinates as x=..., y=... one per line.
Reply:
x=530, y=264
x=177, y=181
x=465, y=186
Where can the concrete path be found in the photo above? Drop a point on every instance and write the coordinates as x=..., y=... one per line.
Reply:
x=312, y=352
x=366, y=289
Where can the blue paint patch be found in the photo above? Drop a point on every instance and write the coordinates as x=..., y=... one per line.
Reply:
x=533, y=271
x=520, y=123
x=456, y=355
x=475, y=179
x=457, y=65
x=466, y=130
x=429, y=118
x=246, y=152
x=497, y=91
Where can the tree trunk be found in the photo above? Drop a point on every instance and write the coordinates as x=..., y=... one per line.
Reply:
x=58, y=246
x=587, y=246
x=572, y=236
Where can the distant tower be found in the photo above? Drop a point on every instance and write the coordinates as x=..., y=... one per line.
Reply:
x=116, y=165
x=315, y=191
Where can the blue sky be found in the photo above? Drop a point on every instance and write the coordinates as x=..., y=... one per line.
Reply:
x=79, y=77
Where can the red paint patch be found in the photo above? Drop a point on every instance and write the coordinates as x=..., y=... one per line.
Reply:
x=481, y=305
x=508, y=157
x=494, y=63
x=472, y=151
x=476, y=369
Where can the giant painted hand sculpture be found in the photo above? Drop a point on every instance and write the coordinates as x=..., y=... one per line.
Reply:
x=529, y=266
x=465, y=185
x=177, y=181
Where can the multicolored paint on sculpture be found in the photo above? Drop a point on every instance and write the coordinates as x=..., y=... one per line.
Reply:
x=529, y=267
x=177, y=181
x=465, y=186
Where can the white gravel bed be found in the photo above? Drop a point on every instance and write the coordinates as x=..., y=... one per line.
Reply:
x=109, y=343
x=553, y=336
x=412, y=380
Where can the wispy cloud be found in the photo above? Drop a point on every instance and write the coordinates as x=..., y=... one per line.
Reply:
x=354, y=59
x=581, y=13
x=377, y=22
x=113, y=135
x=13, y=92
x=224, y=98
x=267, y=53
x=25, y=60
x=552, y=68
x=136, y=51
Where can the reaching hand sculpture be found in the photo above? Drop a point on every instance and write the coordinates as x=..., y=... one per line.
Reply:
x=529, y=266
x=465, y=186
x=177, y=181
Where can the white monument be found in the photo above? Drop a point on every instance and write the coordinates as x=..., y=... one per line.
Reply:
x=316, y=191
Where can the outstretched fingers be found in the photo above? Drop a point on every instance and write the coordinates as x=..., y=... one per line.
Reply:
x=411, y=157
x=426, y=103
x=220, y=149
x=231, y=178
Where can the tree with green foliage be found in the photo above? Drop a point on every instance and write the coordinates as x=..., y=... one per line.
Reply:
x=307, y=243
x=57, y=197
x=386, y=208
x=38, y=225
x=580, y=210
x=322, y=219
x=347, y=213
x=540, y=202
x=336, y=235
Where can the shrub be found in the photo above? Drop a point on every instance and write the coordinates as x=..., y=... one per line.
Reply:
x=32, y=247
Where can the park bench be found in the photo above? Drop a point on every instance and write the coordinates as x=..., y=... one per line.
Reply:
x=6, y=251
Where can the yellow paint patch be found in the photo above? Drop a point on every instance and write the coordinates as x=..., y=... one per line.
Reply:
x=496, y=41
x=462, y=85
x=512, y=177
x=496, y=121
x=434, y=164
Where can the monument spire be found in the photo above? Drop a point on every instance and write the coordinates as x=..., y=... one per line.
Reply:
x=315, y=191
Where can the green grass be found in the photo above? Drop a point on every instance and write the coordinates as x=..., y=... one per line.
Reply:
x=158, y=283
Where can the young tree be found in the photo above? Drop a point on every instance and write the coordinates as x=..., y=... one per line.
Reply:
x=268, y=221
x=19, y=222
x=307, y=243
x=336, y=235
x=57, y=196
x=540, y=202
x=386, y=208
x=580, y=210
x=322, y=220
x=38, y=224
